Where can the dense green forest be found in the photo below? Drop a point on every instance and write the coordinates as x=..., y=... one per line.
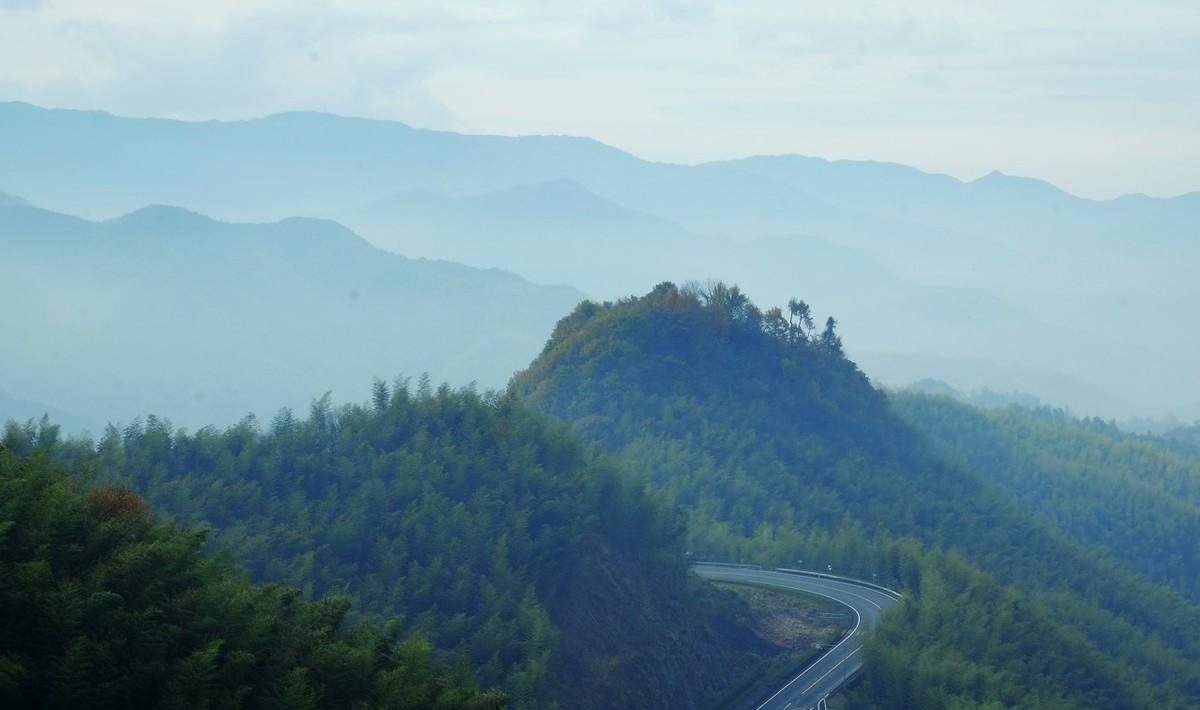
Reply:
x=434, y=541
x=1103, y=487
x=779, y=449
x=103, y=607
x=462, y=517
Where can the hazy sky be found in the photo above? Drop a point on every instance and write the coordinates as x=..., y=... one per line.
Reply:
x=1099, y=97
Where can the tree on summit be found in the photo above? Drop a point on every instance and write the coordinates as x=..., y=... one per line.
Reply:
x=800, y=318
x=775, y=325
x=830, y=340
x=728, y=301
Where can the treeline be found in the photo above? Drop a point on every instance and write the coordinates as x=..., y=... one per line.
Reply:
x=1102, y=486
x=1184, y=440
x=103, y=607
x=770, y=444
x=461, y=517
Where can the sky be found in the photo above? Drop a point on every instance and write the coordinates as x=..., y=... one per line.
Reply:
x=1101, y=98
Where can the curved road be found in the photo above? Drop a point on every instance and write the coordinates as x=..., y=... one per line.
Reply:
x=829, y=672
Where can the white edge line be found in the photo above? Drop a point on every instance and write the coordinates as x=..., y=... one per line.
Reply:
x=849, y=636
x=834, y=668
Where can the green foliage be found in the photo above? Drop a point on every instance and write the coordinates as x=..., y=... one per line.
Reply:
x=1103, y=487
x=470, y=520
x=101, y=607
x=780, y=450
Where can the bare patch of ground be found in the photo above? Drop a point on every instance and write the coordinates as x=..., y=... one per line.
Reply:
x=793, y=621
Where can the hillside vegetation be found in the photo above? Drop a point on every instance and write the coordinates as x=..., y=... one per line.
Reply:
x=780, y=450
x=1101, y=486
x=464, y=518
x=102, y=607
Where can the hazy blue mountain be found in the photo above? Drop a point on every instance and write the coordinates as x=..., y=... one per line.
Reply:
x=22, y=410
x=1021, y=237
x=1005, y=270
x=1101, y=272
x=907, y=195
x=982, y=398
x=980, y=376
x=97, y=164
x=558, y=230
x=561, y=230
x=550, y=232
x=1027, y=240
x=165, y=310
x=306, y=163
x=12, y=201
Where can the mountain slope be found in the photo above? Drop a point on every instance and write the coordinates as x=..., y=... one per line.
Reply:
x=166, y=310
x=779, y=449
x=102, y=607
x=1102, y=486
x=463, y=517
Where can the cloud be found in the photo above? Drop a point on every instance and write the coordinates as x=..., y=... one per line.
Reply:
x=1033, y=88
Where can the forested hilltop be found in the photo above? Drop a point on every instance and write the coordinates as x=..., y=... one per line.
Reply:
x=525, y=561
x=779, y=449
x=102, y=607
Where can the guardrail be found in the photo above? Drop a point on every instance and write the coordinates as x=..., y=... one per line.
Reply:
x=806, y=573
x=848, y=580
x=736, y=565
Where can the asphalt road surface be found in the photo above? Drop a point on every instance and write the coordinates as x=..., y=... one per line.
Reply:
x=829, y=672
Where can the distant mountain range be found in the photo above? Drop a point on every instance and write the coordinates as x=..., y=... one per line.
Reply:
x=551, y=232
x=167, y=311
x=1002, y=271
x=558, y=231
x=21, y=411
x=11, y=201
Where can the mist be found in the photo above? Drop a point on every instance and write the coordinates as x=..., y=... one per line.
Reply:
x=929, y=276
x=167, y=312
x=669, y=354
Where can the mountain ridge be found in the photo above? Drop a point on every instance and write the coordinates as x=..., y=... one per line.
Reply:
x=1075, y=265
x=221, y=319
x=284, y=116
